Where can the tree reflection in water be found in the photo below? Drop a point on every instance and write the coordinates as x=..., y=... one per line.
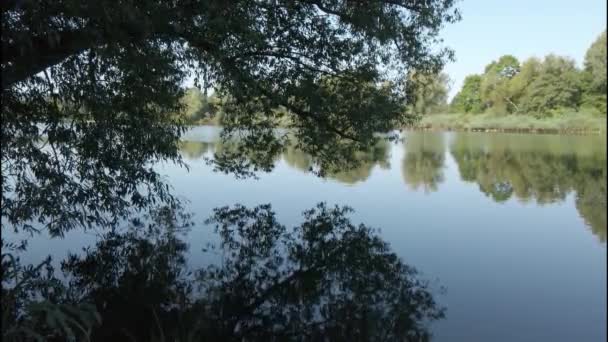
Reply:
x=326, y=279
x=504, y=167
x=544, y=169
x=424, y=161
x=365, y=161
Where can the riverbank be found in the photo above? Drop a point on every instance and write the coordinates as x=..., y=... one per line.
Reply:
x=576, y=123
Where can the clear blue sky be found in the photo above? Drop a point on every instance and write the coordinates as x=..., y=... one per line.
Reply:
x=492, y=28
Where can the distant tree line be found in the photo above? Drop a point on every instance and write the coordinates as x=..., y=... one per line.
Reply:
x=428, y=92
x=211, y=108
x=201, y=107
x=540, y=87
x=543, y=88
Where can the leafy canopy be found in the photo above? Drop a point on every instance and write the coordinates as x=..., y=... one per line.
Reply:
x=548, y=87
x=468, y=99
x=429, y=92
x=88, y=87
x=594, y=75
x=595, y=63
x=557, y=85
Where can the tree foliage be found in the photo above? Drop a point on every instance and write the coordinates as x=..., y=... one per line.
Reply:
x=88, y=88
x=595, y=63
x=468, y=99
x=519, y=84
x=35, y=305
x=544, y=88
x=201, y=108
x=556, y=86
x=429, y=92
x=495, y=80
x=594, y=77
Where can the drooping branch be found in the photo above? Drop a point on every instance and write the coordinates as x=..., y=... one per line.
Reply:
x=22, y=61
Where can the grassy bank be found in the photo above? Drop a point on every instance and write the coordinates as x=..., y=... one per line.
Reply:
x=578, y=122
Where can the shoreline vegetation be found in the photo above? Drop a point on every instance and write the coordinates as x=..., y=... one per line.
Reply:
x=575, y=123
x=550, y=95
x=204, y=111
x=571, y=123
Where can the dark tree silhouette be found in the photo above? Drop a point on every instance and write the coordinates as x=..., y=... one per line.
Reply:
x=88, y=87
x=324, y=279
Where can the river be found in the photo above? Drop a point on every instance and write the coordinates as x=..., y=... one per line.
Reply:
x=513, y=226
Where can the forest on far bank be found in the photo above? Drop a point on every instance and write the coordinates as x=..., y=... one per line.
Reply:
x=537, y=90
x=543, y=88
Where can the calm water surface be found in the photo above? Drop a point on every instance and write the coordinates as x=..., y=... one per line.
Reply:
x=512, y=225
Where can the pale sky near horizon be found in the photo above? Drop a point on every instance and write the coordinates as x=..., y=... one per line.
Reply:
x=492, y=28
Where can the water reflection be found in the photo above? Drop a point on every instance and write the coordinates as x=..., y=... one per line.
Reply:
x=423, y=161
x=366, y=161
x=542, y=169
x=194, y=150
x=539, y=168
x=325, y=279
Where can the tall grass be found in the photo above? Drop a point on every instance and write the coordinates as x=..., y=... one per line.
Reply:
x=582, y=122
